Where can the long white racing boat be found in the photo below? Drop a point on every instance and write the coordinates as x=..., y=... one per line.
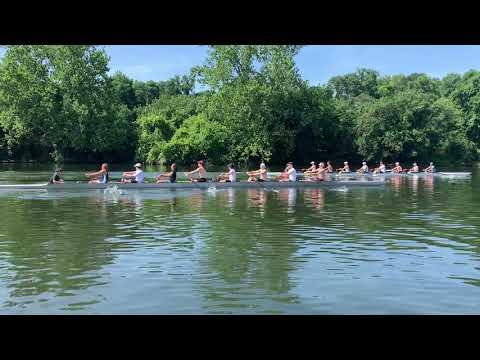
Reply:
x=188, y=185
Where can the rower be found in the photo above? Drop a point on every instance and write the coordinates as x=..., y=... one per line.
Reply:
x=261, y=173
x=311, y=168
x=345, y=168
x=414, y=169
x=283, y=175
x=200, y=170
x=329, y=168
x=290, y=174
x=134, y=177
x=99, y=177
x=381, y=168
x=363, y=169
x=57, y=177
x=319, y=174
x=230, y=176
x=430, y=168
x=397, y=169
x=169, y=176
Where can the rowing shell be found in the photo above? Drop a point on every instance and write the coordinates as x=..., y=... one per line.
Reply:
x=269, y=185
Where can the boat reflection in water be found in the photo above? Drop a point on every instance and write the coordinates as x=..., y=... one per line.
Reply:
x=396, y=181
x=134, y=199
x=429, y=183
x=196, y=199
x=231, y=197
x=288, y=196
x=414, y=184
x=257, y=198
x=316, y=197
x=226, y=197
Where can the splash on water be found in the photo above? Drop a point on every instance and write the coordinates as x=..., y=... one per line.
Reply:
x=341, y=189
x=212, y=190
x=112, y=192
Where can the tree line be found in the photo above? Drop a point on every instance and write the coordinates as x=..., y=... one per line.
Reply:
x=60, y=103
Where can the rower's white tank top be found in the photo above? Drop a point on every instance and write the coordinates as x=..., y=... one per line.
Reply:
x=139, y=176
x=232, y=175
x=292, y=175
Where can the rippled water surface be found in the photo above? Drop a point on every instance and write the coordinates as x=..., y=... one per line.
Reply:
x=409, y=247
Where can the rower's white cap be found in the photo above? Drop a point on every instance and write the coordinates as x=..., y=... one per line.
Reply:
x=312, y=162
x=262, y=166
x=364, y=163
x=137, y=165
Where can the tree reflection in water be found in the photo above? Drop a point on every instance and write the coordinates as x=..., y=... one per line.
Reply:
x=256, y=258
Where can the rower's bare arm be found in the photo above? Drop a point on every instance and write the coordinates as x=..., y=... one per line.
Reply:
x=164, y=175
x=94, y=173
x=193, y=171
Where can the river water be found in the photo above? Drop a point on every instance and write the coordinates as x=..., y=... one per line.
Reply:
x=411, y=247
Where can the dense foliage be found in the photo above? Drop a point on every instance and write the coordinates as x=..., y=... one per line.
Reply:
x=61, y=102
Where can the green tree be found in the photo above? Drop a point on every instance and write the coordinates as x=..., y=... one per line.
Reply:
x=467, y=96
x=390, y=85
x=449, y=83
x=363, y=81
x=123, y=88
x=197, y=138
x=257, y=97
x=405, y=126
x=158, y=122
x=60, y=98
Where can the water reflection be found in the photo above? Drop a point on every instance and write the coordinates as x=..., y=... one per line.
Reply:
x=289, y=198
x=231, y=197
x=316, y=197
x=257, y=199
x=254, y=264
x=396, y=182
x=51, y=250
x=429, y=182
x=414, y=184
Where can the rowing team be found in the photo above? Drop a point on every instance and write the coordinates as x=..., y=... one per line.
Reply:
x=381, y=169
x=136, y=176
x=197, y=175
x=313, y=173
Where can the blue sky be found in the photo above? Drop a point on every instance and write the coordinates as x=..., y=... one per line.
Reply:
x=316, y=63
